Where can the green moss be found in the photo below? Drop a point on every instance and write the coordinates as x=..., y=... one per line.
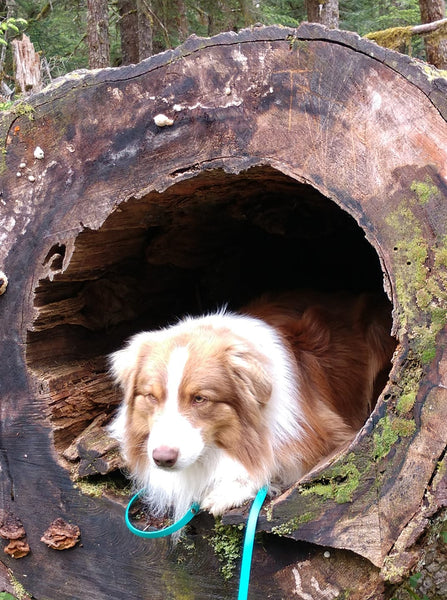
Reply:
x=293, y=524
x=421, y=291
x=23, y=109
x=387, y=432
x=340, y=485
x=432, y=72
x=227, y=545
x=424, y=190
x=393, y=38
x=178, y=585
x=406, y=402
x=296, y=43
x=409, y=386
x=19, y=591
x=96, y=486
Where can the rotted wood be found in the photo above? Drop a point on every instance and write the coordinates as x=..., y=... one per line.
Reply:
x=26, y=66
x=268, y=159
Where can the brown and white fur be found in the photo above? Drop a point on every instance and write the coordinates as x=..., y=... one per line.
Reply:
x=215, y=407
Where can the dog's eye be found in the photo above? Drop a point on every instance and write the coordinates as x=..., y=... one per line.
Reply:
x=199, y=399
x=151, y=398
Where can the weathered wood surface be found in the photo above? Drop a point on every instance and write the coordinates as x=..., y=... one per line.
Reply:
x=273, y=140
x=26, y=66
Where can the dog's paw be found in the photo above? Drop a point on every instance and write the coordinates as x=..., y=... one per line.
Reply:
x=224, y=497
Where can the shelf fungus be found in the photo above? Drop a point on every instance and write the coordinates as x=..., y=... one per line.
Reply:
x=61, y=535
x=11, y=529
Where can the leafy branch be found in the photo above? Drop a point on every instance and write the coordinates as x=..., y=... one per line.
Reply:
x=10, y=24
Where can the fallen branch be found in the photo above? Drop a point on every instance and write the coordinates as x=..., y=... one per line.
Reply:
x=394, y=37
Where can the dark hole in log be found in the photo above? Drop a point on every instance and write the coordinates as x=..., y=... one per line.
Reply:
x=211, y=240
x=55, y=257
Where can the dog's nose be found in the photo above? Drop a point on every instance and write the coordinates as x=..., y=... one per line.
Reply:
x=164, y=456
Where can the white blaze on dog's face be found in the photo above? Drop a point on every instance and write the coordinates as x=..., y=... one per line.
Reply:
x=188, y=394
x=173, y=442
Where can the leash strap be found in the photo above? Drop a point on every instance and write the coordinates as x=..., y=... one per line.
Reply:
x=249, y=539
x=247, y=551
x=156, y=533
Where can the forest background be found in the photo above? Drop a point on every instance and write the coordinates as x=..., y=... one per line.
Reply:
x=74, y=34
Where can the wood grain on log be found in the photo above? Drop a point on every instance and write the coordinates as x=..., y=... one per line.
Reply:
x=289, y=158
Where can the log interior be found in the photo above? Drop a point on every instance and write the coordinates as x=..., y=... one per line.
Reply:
x=214, y=239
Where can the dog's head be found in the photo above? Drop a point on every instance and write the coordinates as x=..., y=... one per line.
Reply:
x=187, y=390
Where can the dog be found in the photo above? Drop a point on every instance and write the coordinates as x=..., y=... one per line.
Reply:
x=217, y=406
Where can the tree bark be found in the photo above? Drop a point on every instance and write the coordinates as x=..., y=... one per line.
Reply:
x=325, y=13
x=144, y=29
x=436, y=50
x=135, y=30
x=268, y=159
x=128, y=26
x=98, y=33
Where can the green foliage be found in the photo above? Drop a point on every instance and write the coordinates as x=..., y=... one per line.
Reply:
x=364, y=16
x=411, y=586
x=58, y=30
x=10, y=25
x=282, y=12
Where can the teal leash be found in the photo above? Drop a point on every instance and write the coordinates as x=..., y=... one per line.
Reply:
x=157, y=533
x=247, y=551
x=249, y=539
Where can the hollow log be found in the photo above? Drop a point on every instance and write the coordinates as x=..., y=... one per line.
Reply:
x=273, y=158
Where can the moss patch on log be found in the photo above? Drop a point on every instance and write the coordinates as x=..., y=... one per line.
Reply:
x=226, y=542
x=339, y=483
x=292, y=524
x=387, y=432
x=409, y=383
x=420, y=271
x=111, y=485
x=425, y=190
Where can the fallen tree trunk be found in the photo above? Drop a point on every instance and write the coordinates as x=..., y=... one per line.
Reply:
x=269, y=159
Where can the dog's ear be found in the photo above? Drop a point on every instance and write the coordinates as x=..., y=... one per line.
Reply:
x=124, y=363
x=249, y=373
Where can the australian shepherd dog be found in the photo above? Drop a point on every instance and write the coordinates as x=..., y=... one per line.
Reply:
x=216, y=407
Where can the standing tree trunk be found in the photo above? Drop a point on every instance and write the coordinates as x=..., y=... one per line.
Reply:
x=325, y=13
x=128, y=26
x=135, y=30
x=180, y=25
x=145, y=24
x=98, y=34
x=436, y=49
